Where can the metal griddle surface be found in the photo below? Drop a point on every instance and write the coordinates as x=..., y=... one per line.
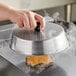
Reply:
x=64, y=64
x=8, y=69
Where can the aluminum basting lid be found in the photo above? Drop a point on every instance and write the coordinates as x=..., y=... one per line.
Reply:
x=30, y=42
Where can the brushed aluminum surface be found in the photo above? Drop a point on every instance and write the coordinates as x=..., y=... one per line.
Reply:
x=65, y=61
x=51, y=40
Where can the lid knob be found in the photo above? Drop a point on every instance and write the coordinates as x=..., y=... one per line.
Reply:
x=37, y=29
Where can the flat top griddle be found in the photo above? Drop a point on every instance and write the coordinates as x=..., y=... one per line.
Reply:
x=64, y=62
x=64, y=65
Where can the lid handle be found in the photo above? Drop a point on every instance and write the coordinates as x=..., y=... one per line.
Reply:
x=37, y=29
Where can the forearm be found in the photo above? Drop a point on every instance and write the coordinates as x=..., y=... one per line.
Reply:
x=5, y=12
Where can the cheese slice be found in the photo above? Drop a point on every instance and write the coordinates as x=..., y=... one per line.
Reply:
x=37, y=60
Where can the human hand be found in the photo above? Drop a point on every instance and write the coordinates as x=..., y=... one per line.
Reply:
x=27, y=19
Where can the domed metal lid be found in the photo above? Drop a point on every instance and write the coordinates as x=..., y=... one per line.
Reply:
x=51, y=40
x=49, y=32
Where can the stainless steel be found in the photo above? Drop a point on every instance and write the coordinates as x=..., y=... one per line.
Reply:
x=8, y=69
x=64, y=65
x=4, y=34
x=64, y=62
x=51, y=40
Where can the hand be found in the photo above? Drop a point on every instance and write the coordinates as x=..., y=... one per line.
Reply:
x=26, y=19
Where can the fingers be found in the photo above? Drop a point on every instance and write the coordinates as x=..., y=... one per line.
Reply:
x=26, y=21
x=32, y=20
x=29, y=20
x=40, y=19
x=19, y=23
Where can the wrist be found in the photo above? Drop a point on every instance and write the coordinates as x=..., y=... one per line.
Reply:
x=10, y=13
